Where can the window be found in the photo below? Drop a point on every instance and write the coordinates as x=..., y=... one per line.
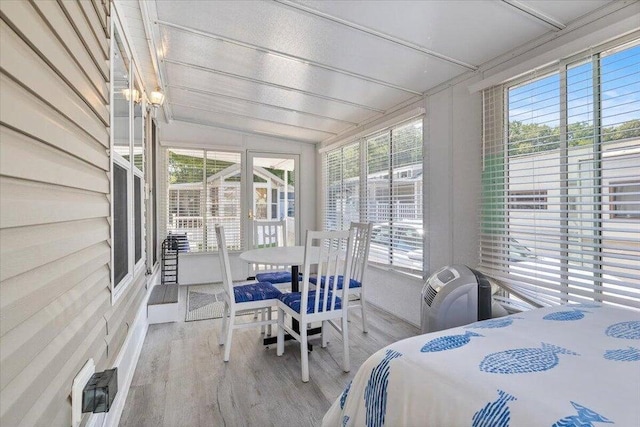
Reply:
x=127, y=157
x=624, y=199
x=379, y=180
x=204, y=190
x=573, y=131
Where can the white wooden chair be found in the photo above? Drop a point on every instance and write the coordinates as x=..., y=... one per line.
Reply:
x=331, y=252
x=359, y=263
x=265, y=235
x=241, y=299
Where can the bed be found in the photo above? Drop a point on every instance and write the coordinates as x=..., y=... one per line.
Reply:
x=575, y=365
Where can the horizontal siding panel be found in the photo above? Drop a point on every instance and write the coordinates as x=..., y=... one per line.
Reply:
x=21, y=394
x=25, y=66
x=25, y=248
x=99, y=52
x=60, y=388
x=23, y=296
x=25, y=158
x=23, y=16
x=99, y=49
x=94, y=20
x=20, y=345
x=54, y=15
x=29, y=203
x=101, y=12
x=121, y=315
x=23, y=111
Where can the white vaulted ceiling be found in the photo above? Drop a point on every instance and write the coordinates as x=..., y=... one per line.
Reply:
x=314, y=69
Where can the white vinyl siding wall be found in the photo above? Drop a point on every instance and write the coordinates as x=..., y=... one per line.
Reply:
x=55, y=301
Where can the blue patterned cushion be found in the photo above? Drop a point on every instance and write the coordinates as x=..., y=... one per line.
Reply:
x=255, y=292
x=293, y=300
x=353, y=283
x=275, y=277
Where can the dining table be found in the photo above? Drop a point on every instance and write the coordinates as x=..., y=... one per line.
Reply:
x=285, y=256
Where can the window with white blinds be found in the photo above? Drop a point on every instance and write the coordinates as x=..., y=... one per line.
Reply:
x=379, y=179
x=561, y=181
x=204, y=190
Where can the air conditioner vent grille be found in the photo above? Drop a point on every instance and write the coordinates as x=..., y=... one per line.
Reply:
x=430, y=295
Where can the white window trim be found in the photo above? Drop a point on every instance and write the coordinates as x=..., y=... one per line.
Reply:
x=134, y=269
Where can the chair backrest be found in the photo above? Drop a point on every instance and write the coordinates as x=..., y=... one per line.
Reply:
x=269, y=233
x=361, y=244
x=331, y=252
x=265, y=235
x=225, y=265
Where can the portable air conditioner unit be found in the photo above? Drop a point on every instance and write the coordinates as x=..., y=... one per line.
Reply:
x=457, y=295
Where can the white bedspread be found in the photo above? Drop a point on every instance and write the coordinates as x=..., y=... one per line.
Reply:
x=575, y=365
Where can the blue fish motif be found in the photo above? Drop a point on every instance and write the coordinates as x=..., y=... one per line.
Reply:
x=501, y=322
x=626, y=330
x=623, y=355
x=524, y=360
x=494, y=414
x=345, y=420
x=585, y=418
x=448, y=342
x=575, y=314
x=345, y=393
x=375, y=394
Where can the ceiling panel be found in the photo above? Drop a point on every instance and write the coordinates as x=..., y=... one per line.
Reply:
x=563, y=10
x=470, y=31
x=198, y=79
x=234, y=107
x=244, y=62
x=193, y=115
x=273, y=26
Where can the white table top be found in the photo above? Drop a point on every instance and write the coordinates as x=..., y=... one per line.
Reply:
x=282, y=255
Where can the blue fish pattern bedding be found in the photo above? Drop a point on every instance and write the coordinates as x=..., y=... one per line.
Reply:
x=561, y=366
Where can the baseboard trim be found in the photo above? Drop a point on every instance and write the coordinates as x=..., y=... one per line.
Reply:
x=127, y=360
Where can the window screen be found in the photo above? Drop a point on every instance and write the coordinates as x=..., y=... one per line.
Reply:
x=561, y=191
x=120, y=227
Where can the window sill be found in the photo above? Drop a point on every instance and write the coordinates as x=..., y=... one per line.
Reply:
x=124, y=284
x=415, y=275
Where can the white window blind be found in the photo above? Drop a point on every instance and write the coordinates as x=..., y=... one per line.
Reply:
x=204, y=190
x=379, y=179
x=561, y=181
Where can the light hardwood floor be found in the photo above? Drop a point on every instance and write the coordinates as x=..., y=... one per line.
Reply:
x=181, y=380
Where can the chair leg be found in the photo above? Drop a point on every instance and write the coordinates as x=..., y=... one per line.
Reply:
x=324, y=333
x=304, y=353
x=280, y=342
x=223, y=329
x=269, y=317
x=227, y=344
x=364, y=314
x=262, y=320
x=345, y=344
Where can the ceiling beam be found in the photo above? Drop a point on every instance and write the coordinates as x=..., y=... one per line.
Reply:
x=149, y=14
x=289, y=57
x=250, y=101
x=376, y=33
x=245, y=116
x=251, y=132
x=536, y=14
x=275, y=85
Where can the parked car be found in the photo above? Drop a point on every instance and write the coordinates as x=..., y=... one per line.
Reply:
x=408, y=238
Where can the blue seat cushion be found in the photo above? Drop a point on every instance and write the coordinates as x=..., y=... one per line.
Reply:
x=255, y=292
x=353, y=283
x=293, y=300
x=275, y=277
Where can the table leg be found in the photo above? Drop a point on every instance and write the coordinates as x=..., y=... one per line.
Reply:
x=295, y=287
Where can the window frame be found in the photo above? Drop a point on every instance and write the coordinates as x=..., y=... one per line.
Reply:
x=389, y=176
x=134, y=269
x=561, y=67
